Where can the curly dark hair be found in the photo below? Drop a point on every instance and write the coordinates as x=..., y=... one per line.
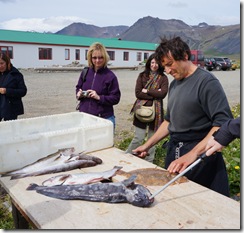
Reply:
x=148, y=64
x=176, y=46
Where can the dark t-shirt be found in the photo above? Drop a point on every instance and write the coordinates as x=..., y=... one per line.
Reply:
x=196, y=103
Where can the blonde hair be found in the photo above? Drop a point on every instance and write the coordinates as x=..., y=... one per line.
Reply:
x=102, y=49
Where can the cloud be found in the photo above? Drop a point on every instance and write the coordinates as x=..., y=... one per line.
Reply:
x=51, y=24
x=178, y=4
x=7, y=1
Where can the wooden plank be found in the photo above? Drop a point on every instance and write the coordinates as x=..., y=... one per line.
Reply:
x=181, y=206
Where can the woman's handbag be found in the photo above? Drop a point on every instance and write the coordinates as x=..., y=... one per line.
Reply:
x=145, y=113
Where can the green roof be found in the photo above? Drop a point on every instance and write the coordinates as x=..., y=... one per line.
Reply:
x=48, y=38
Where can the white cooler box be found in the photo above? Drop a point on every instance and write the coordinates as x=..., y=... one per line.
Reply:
x=24, y=141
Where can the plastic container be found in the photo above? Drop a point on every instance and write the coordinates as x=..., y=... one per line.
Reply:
x=24, y=141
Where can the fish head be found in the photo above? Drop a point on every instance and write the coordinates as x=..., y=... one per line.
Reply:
x=139, y=196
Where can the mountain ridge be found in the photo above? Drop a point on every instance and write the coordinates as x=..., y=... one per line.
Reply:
x=213, y=39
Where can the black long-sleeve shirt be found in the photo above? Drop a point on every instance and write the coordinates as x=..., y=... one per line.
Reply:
x=229, y=131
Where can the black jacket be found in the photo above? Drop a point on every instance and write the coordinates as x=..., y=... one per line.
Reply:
x=229, y=131
x=11, y=104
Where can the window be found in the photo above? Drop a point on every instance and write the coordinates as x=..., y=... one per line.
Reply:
x=200, y=57
x=111, y=55
x=192, y=57
x=67, y=54
x=45, y=53
x=86, y=54
x=8, y=50
x=126, y=56
x=138, y=56
x=146, y=56
x=77, y=54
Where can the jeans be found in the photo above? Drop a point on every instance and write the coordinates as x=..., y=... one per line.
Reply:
x=140, y=135
x=112, y=118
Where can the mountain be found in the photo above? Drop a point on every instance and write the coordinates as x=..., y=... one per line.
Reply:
x=88, y=30
x=212, y=39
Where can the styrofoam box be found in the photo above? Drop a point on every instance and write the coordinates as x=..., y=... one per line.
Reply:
x=24, y=141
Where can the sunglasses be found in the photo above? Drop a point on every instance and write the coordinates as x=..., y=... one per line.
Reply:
x=97, y=58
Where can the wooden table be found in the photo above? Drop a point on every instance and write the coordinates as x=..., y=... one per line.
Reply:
x=180, y=206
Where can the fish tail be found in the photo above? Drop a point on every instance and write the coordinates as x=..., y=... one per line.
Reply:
x=32, y=186
x=18, y=176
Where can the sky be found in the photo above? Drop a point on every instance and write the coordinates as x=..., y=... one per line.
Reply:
x=54, y=15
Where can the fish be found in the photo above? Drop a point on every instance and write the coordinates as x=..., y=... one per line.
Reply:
x=83, y=178
x=125, y=191
x=62, y=160
x=152, y=176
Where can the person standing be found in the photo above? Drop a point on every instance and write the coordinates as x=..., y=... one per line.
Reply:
x=151, y=85
x=228, y=132
x=12, y=89
x=197, y=106
x=99, y=91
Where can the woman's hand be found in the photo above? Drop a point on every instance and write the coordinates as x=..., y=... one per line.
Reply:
x=144, y=91
x=2, y=90
x=93, y=94
x=213, y=146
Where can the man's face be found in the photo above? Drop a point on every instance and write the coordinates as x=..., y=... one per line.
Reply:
x=173, y=67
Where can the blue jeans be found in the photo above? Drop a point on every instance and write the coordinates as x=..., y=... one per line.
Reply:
x=112, y=118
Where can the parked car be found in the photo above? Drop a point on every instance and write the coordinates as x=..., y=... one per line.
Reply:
x=219, y=63
x=208, y=64
x=228, y=61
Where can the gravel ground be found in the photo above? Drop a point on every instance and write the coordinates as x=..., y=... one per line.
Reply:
x=54, y=93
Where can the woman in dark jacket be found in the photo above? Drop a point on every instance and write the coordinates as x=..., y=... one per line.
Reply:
x=12, y=89
x=99, y=91
x=151, y=85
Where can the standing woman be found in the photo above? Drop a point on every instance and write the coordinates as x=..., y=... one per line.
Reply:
x=12, y=89
x=99, y=91
x=151, y=85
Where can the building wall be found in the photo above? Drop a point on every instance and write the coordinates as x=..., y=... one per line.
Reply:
x=26, y=55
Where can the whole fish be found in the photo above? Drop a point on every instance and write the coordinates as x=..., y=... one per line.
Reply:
x=63, y=160
x=81, y=178
x=152, y=176
x=116, y=192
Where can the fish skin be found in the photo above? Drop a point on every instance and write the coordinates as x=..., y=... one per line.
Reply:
x=81, y=178
x=63, y=160
x=84, y=156
x=118, y=192
x=152, y=176
x=58, y=168
x=62, y=154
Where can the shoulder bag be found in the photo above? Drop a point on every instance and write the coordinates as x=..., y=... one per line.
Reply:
x=146, y=113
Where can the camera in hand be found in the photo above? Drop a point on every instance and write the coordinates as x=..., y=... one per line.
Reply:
x=85, y=93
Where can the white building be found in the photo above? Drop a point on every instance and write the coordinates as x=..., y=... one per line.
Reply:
x=36, y=50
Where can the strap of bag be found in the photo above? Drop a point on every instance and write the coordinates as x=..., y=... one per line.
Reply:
x=84, y=73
